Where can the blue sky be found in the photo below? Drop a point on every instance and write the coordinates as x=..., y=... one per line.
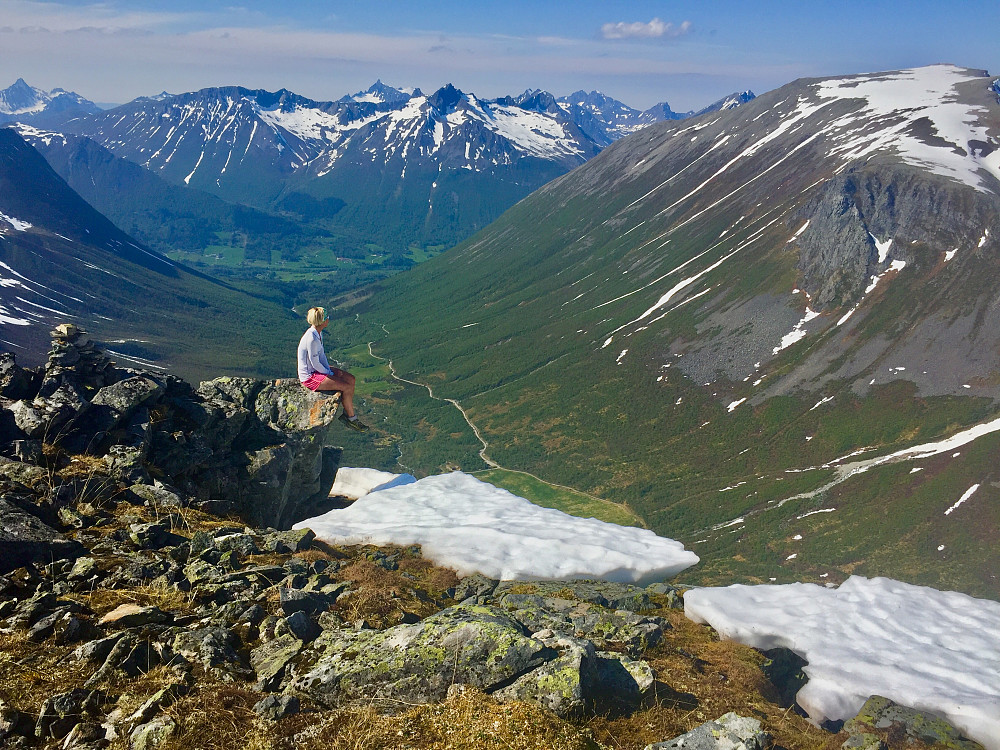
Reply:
x=688, y=53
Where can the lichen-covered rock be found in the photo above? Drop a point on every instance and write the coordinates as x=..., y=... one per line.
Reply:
x=474, y=585
x=60, y=713
x=152, y=734
x=271, y=657
x=674, y=598
x=295, y=540
x=277, y=707
x=24, y=473
x=729, y=732
x=606, y=628
x=621, y=682
x=880, y=713
x=475, y=645
x=562, y=685
x=159, y=495
x=604, y=593
x=125, y=396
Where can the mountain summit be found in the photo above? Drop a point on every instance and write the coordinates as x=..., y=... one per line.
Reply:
x=23, y=103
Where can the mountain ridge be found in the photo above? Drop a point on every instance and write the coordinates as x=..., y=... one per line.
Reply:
x=409, y=169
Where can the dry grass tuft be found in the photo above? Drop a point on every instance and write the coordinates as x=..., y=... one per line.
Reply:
x=218, y=716
x=471, y=720
x=83, y=466
x=166, y=598
x=378, y=596
x=436, y=579
x=31, y=672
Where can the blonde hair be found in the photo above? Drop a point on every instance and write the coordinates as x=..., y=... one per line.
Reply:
x=316, y=315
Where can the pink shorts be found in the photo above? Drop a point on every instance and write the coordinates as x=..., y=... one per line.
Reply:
x=314, y=380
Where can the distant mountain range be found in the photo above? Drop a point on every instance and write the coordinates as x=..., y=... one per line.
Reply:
x=386, y=166
x=738, y=324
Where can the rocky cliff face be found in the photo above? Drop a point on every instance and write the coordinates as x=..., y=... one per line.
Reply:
x=854, y=217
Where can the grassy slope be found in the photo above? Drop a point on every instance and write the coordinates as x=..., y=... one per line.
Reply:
x=494, y=324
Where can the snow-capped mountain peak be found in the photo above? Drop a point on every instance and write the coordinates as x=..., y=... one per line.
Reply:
x=24, y=102
x=20, y=98
x=380, y=93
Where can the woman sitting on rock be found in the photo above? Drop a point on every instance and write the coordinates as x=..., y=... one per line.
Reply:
x=316, y=374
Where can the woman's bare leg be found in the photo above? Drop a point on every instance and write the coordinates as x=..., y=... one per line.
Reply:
x=344, y=382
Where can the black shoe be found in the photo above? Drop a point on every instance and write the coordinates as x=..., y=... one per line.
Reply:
x=354, y=424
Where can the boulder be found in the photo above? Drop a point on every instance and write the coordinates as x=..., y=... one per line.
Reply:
x=880, y=714
x=16, y=382
x=277, y=707
x=134, y=616
x=271, y=657
x=25, y=539
x=87, y=735
x=606, y=628
x=475, y=645
x=473, y=586
x=783, y=667
x=561, y=685
x=122, y=398
x=309, y=602
x=603, y=593
x=214, y=648
x=28, y=419
x=621, y=682
x=729, y=732
x=129, y=654
x=152, y=734
x=296, y=540
x=26, y=474
x=581, y=679
x=159, y=495
x=60, y=713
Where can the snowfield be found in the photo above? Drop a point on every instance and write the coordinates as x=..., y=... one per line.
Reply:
x=471, y=526
x=936, y=651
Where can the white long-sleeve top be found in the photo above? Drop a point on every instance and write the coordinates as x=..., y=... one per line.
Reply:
x=311, y=356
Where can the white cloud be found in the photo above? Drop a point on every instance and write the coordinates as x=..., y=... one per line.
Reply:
x=655, y=29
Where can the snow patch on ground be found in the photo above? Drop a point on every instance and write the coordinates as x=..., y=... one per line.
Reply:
x=927, y=649
x=472, y=526
x=19, y=225
x=896, y=265
x=797, y=333
x=968, y=493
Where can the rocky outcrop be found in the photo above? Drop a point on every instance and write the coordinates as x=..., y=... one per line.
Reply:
x=134, y=584
x=235, y=445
